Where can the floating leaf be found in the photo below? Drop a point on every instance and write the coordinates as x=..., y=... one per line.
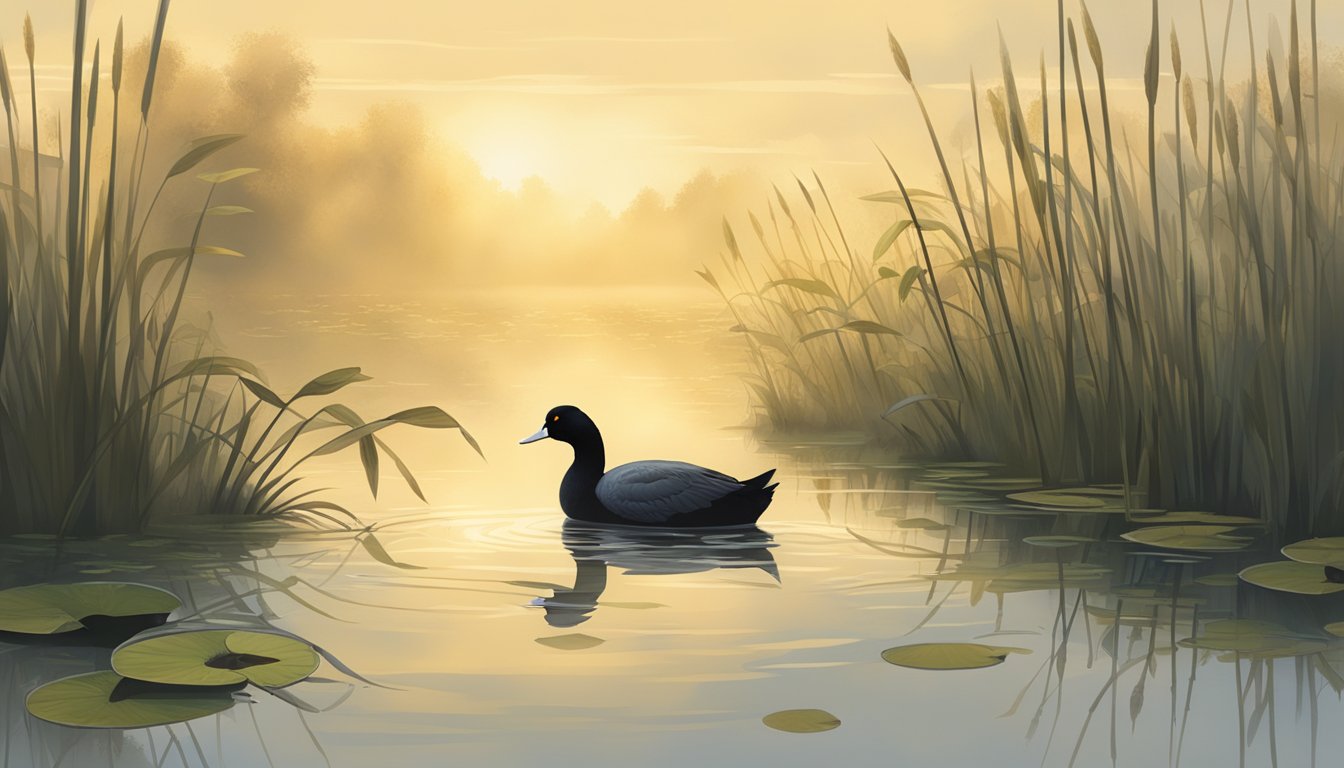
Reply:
x=1260, y=638
x=1291, y=576
x=107, y=700
x=1200, y=538
x=802, y=720
x=1065, y=498
x=1057, y=542
x=216, y=657
x=921, y=523
x=1186, y=518
x=1335, y=628
x=1317, y=551
x=572, y=642
x=946, y=656
x=44, y=609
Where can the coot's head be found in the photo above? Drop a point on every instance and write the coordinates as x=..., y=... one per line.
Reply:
x=566, y=424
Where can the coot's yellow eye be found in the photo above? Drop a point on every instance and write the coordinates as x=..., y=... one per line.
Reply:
x=555, y=418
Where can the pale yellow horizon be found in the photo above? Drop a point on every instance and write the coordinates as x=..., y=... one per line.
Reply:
x=603, y=99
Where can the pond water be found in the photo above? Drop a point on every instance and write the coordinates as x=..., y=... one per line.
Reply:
x=500, y=635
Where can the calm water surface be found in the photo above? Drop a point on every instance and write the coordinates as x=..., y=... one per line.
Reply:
x=506, y=637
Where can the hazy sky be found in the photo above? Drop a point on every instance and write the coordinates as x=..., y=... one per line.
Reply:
x=603, y=98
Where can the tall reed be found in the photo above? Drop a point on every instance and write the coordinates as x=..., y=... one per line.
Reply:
x=112, y=408
x=1078, y=310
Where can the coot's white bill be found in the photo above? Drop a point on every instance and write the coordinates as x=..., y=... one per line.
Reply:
x=542, y=434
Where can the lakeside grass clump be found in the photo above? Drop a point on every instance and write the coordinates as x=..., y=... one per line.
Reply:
x=113, y=409
x=1080, y=303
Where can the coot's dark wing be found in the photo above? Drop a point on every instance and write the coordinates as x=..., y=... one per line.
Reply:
x=652, y=492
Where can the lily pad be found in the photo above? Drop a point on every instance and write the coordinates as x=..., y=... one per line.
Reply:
x=1199, y=538
x=1291, y=576
x=1335, y=628
x=1260, y=639
x=921, y=523
x=1064, y=498
x=46, y=609
x=1196, y=518
x=946, y=656
x=216, y=657
x=1316, y=551
x=1057, y=542
x=107, y=700
x=802, y=720
x=572, y=642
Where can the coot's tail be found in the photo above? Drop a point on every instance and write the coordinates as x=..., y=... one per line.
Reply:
x=758, y=482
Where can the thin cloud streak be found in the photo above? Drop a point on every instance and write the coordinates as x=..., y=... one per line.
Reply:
x=407, y=43
x=580, y=85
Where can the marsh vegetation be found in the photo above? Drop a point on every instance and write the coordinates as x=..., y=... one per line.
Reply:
x=113, y=408
x=1081, y=302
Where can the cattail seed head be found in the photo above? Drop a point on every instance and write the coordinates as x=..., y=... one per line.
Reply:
x=899, y=56
x=1191, y=117
x=116, y=60
x=29, y=44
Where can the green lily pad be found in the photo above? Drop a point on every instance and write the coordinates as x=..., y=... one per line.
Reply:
x=946, y=656
x=1057, y=542
x=1200, y=538
x=1335, y=628
x=572, y=642
x=1196, y=518
x=1316, y=551
x=46, y=609
x=921, y=523
x=1066, y=498
x=107, y=700
x=1291, y=576
x=802, y=720
x=216, y=657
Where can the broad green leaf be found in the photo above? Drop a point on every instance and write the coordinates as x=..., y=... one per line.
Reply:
x=222, y=176
x=947, y=656
x=215, y=657
x=1317, y=551
x=869, y=327
x=908, y=281
x=200, y=149
x=1199, y=538
x=803, y=284
x=227, y=210
x=1290, y=576
x=107, y=700
x=44, y=609
x=330, y=382
x=263, y=392
x=889, y=237
x=802, y=721
x=571, y=642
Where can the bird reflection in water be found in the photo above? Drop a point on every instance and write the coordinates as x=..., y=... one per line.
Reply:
x=646, y=552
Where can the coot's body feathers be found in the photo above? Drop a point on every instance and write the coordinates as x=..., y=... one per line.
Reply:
x=659, y=492
x=648, y=493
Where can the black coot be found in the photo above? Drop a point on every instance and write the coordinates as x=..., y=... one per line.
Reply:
x=650, y=493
